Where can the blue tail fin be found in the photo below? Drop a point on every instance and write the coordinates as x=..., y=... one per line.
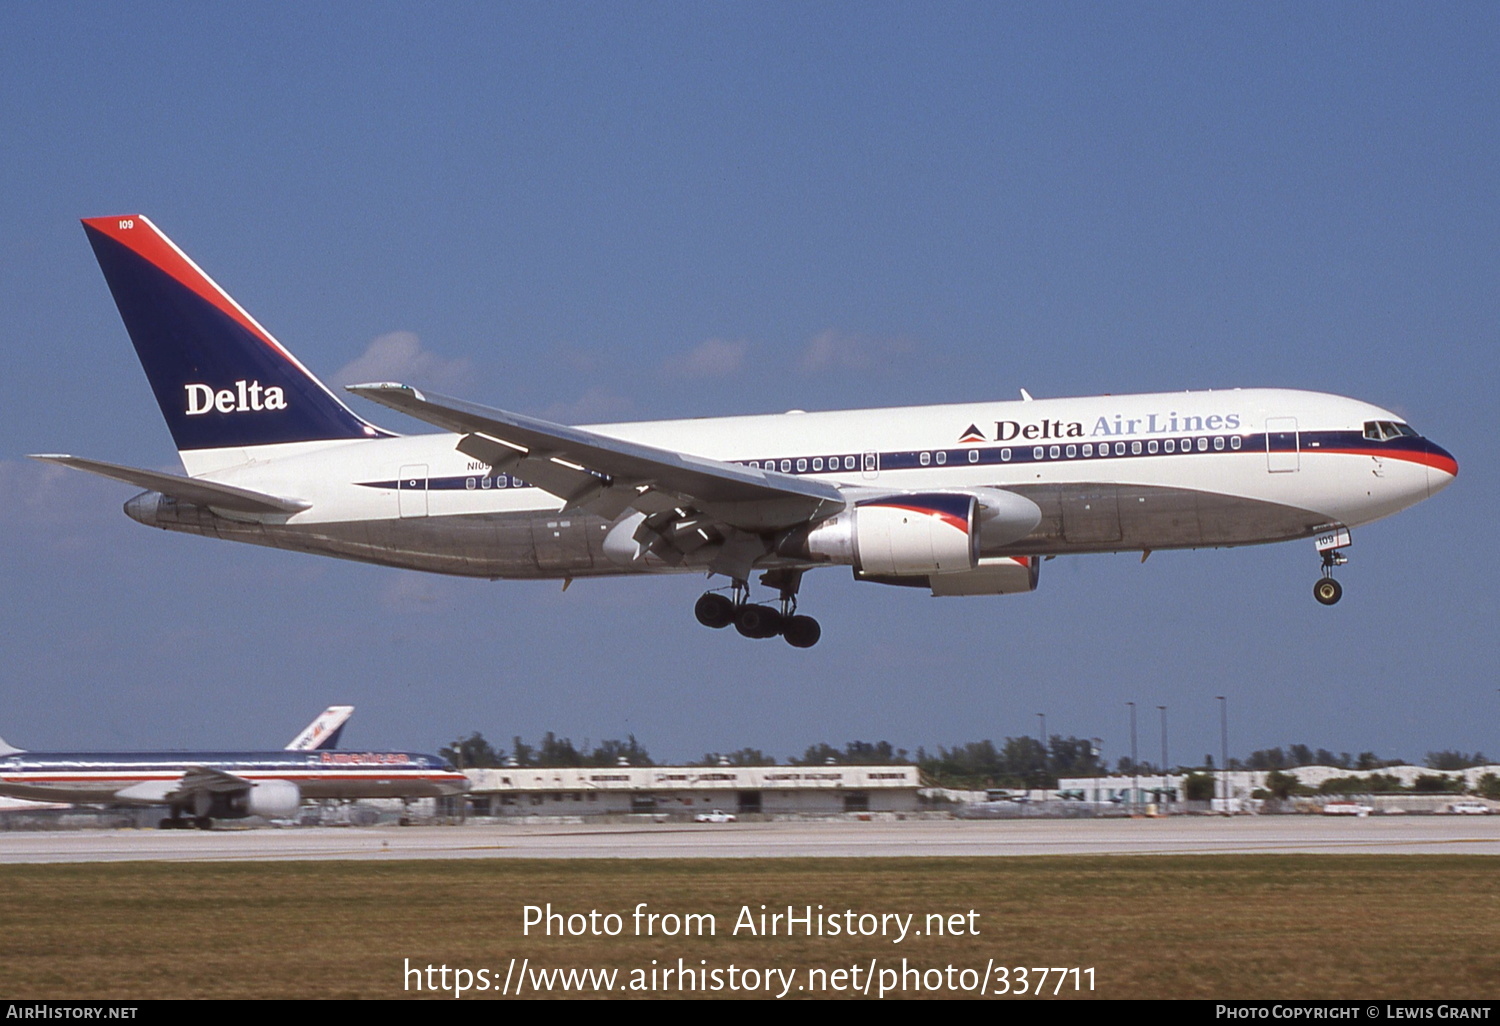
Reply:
x=220, y=379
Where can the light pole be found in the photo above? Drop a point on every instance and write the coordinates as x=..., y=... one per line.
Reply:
x=1135, y=766
x=1041, y=782
x=1224, y=746
x=1164, y=785
x=1096, y=749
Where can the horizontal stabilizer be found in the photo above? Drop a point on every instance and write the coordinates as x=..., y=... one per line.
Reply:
x=187, y=489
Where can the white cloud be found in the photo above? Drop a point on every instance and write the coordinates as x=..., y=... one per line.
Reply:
x=399, y=356
x=63, y=506
x=714, y=358
x=595, y=406
x=835, y=350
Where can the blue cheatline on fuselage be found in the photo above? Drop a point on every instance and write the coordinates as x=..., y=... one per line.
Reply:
x=1346, y=443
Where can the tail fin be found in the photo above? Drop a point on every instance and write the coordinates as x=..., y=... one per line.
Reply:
x=323, y=732
x=220, y=379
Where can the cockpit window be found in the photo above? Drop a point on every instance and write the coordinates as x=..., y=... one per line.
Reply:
x=1385, y=430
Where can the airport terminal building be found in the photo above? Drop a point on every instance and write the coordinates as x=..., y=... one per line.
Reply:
x=681, y=792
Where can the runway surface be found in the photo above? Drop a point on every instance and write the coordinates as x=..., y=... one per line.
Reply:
x=1181, y=835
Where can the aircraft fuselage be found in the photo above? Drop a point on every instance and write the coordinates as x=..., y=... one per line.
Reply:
x=1112, y=473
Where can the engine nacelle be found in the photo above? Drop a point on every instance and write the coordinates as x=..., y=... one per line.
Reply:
x=896, y=535
x=998, y=575
x=916, y=534
x=268, y=799
x=1004, y=575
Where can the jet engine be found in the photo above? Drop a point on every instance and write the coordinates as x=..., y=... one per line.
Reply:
x=269, y=799
x=918, y=533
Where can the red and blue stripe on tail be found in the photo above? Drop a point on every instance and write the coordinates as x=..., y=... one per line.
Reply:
x=220, y=379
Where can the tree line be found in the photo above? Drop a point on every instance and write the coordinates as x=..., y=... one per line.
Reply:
x=1016, y=762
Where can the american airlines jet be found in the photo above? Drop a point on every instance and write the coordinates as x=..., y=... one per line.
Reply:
x=960, y=499
x=199, y=787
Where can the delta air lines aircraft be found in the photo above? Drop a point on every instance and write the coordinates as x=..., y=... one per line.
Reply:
x=959, y=499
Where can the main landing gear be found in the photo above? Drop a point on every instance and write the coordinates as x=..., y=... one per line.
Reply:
x=717, y=610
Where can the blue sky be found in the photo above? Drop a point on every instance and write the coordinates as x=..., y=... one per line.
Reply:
x=615, y=211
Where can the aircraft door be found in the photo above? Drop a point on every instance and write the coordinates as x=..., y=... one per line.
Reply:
x=870, y=465
x=411, y=491
x=1282, y=445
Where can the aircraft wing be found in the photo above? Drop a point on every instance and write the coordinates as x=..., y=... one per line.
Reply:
x=609, y=475
x=189, y=489
x=203, y=778
x=193, y=780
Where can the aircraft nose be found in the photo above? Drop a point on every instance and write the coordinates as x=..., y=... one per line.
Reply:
x=1442, y=468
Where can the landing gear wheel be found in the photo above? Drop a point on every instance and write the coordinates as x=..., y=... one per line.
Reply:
x=801, y=631
x=757, y=621
x=204, y=823
x=714, y=610
x=1328, y=591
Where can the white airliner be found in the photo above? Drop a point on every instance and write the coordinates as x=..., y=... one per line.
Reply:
x=199, y=787
x=960, y=499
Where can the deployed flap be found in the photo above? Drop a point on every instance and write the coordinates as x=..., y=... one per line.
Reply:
x=188, y=489
x=586, y=467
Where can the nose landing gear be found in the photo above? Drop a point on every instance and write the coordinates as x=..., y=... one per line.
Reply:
x=1328, y=591
x=1330, y=545
x=754, y=620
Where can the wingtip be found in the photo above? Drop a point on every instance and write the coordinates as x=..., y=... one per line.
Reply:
x=374, y=389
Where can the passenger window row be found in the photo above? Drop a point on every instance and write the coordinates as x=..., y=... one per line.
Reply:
x=499, y=481
x=941, y=457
